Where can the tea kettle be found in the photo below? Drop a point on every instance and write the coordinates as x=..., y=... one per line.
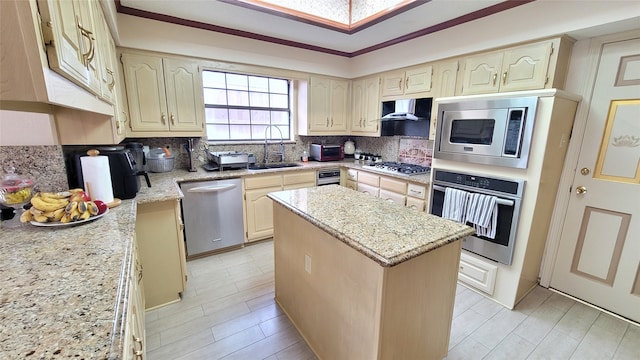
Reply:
x=349, y=147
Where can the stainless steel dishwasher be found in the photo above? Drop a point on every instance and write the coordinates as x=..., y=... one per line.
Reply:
x=212, y=213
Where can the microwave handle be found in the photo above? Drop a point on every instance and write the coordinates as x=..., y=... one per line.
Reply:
x=499, y=201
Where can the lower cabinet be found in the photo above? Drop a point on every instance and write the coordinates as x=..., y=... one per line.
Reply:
x=396, y=190
x=134, y=344
x=162, y=254
x=258, y=208
x=477, y=273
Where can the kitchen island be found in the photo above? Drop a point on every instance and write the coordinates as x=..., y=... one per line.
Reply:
x=363, y=278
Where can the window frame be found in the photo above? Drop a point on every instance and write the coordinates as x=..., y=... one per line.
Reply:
x=275, y=135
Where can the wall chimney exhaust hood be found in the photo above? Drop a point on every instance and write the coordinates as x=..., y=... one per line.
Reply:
x=407, y=117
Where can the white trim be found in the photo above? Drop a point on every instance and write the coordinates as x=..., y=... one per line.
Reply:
x=573, y=152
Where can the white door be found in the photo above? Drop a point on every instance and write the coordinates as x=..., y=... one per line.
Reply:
x=598, y=258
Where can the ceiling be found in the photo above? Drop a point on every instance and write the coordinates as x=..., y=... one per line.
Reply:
x=220, y=16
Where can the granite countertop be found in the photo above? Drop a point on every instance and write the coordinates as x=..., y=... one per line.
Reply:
x=385, y=232
x=63, y=289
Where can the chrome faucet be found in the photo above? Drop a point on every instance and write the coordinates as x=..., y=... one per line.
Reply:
x=266, y=143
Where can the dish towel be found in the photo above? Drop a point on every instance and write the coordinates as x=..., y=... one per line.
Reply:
x=482, y=212
x=454, y=204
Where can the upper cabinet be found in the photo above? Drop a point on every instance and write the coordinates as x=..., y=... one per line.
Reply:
x=410, y=81
x=534, y=66
x=164, y=95
x=365, y=118
x=444, y=79
x=70, y=31
x=327, y=107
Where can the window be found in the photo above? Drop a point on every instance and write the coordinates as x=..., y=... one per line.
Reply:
x=241, y=107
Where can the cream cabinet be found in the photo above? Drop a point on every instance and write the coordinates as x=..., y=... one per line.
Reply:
x=533, y=66
x=134, y=341
x=410, y=81
x=164, y=95
x=258, y=208
x=107, y=60
x=393, y=189
x=327, y=107
x=477, y=273
x=365, y=101
x=69, y=30
x=159, y=231
x=445, y=78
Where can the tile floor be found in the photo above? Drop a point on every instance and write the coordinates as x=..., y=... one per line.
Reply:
x=228, y=312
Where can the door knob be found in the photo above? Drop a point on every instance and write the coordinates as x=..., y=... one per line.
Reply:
x=585, y=171
x=581, y=190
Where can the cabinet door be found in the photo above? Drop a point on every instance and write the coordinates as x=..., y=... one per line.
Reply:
x=71, y=44
x=259, y=213
x=481, y=74
x=339, y=105
x=319, y=103
x=185, y=103
x=350, y=184
x=358, y=97
x=416, y=204
x=525, y=67
x=91, y=57
x=368, y=189
x=144, y=80
x=393, y=83
x=158, y=235
x=418, y=80
x=392, y=197
x=107, y=56
x=372, y=107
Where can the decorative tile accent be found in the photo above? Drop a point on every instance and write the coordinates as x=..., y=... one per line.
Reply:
x=416, y=151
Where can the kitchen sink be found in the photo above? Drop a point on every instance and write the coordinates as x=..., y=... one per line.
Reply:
x=272, y=166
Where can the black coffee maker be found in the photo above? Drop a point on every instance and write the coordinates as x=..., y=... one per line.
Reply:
x=140, y=160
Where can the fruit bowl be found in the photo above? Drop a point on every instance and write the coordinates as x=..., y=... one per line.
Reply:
x=15, y=190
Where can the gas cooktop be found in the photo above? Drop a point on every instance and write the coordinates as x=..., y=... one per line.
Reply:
x=398, y=168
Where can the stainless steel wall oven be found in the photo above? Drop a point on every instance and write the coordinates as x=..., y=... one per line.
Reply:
x=509, y=196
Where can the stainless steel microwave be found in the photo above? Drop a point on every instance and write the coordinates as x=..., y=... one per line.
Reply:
x=492, y=132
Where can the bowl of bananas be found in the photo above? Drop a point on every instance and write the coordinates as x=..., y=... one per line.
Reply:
x=15, y=190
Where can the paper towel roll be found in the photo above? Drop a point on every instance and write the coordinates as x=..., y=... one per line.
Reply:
x=97, y=177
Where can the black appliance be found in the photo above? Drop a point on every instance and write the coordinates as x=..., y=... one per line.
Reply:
x=406, y=117
x=124, y=175
x=140, y=160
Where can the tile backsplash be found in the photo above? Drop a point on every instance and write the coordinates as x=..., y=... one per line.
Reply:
x=46, y=164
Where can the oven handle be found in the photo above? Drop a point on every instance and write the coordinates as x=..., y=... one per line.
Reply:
x=499, y=201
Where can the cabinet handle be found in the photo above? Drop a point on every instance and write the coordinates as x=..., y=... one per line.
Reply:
x=504, y=78
x=400, y=84
x=164, y=118
x=406, y=84
x=137, y=353
x=112, y=84
x=327, y=122
x=331, y=122
x=173, y=119
x=89, y=55
x=495, y=77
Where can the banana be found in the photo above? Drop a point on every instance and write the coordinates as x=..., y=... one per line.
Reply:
x=85, y=215
x=66, y=218
x=40, y=218
x=92, y=207
x=57, y=215
x=26, y=217
x=73, y=191
x=82, y=206
x=34, y=211
x=71, y=207
x=75, y=215
x=41, y=204
x=56, y=195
